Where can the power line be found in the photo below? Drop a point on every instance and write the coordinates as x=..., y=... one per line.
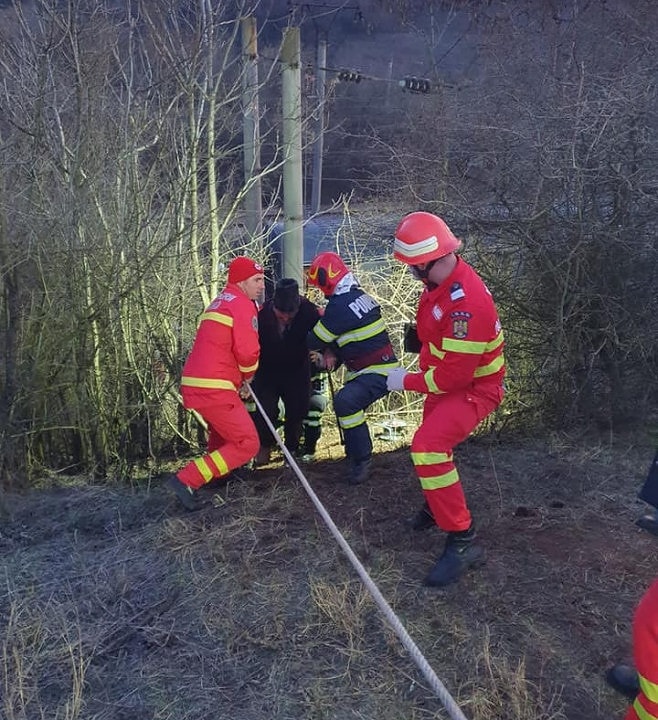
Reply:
x=410, y=83
x=326, y=8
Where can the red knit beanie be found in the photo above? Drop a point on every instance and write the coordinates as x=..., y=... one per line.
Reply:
x=242, y=268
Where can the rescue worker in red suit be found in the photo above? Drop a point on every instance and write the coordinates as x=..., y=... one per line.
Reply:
x=223, y=358
x=351, y=332
x=461, y=374
x=641, y=684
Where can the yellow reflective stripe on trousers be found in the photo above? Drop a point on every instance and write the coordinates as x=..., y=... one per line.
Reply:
x=217, y=458
x=206, y=473
x=493, y=367
x=650, y=689
x=440, y=481
x=642, y=713
x=351, y=421
x=214, y=383
x=430, y=458
x=217, y=317
x=362, y=333
x=202, y=467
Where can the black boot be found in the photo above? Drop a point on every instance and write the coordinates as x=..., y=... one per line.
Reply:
x=649, y=522
x=460, y=553
x=422, y=519
x=359, y=471
x=311, y=437
x=624, y=679
x=306, y=452
x=187, y=495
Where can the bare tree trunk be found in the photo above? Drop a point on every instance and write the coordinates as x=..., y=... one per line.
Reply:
x=10, y=437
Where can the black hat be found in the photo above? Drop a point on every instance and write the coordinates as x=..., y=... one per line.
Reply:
x=286, y=295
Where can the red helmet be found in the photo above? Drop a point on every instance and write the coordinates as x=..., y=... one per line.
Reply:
x=421, y=237
x=326, y=271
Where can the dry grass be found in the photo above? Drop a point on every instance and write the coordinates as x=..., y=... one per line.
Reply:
x=115, y=604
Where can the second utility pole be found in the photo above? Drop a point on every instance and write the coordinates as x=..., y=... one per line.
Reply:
x=318, y=142
x=293, y=203
x=251, y=131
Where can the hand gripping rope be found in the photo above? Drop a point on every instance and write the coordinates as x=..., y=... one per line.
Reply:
x=437, y=686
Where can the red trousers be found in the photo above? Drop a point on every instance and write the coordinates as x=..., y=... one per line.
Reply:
x=447, y=421
x=645, y=656
x=232, y=436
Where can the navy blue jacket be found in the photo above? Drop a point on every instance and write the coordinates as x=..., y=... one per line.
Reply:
x=352, y=325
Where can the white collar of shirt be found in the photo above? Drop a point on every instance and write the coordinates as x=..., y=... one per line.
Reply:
x=345, y=284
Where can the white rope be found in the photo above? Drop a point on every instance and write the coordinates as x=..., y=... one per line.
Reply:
x=439, y=688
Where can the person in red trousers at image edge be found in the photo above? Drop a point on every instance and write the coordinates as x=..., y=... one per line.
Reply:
x=461, y=374
x=224, y=356
x=641, y=684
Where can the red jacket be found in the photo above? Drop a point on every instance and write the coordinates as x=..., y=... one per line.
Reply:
x=645, y=654
x=225, y=349
x=461, y=336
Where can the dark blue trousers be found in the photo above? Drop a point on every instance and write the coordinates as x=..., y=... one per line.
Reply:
x=649, y=491
x=350, y=404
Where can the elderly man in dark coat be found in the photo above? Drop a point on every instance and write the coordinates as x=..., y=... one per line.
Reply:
x=284, y=371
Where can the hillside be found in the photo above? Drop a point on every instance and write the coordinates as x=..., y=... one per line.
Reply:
x=116, y=604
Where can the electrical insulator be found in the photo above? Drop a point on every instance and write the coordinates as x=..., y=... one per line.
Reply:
x=414, y=84
x=349, y=76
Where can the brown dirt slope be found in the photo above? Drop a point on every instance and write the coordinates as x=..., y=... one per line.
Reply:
x=116, y=604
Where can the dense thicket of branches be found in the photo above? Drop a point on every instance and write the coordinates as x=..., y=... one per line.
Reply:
x=120, y=175
x=121, y=183
x=540, y=148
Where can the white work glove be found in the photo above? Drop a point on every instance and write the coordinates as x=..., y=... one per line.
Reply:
x=395, y=379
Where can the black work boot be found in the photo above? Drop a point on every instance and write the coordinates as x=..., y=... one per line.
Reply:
x=359, y=471
x=649, y=522
x=460, y=553
x=624, y=679
x=306, y=452
x=422, y=519
x=263, y=456
x=184, y=493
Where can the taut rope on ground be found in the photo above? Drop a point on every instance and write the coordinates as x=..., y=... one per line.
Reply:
x=439, y=688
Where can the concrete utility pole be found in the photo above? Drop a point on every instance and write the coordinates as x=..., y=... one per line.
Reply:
x=323, y=16
x=318, y=142
x=293, y=207
x=253, y=203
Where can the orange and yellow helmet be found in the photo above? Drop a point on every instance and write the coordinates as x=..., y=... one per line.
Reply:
x=326, y=271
